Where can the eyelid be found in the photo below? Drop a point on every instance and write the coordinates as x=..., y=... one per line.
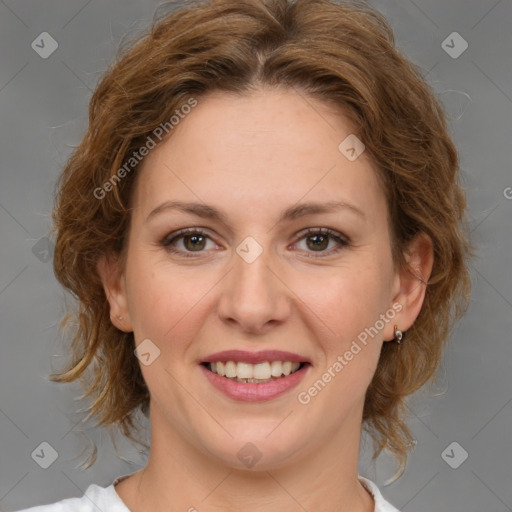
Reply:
x=323, y=231
x=181, y=232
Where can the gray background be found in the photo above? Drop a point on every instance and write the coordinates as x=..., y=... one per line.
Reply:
x=43, y=108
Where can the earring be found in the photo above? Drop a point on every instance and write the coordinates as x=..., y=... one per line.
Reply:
x=399, y=335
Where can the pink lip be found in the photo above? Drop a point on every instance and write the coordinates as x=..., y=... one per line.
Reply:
x=252, y=392
x=254, y=357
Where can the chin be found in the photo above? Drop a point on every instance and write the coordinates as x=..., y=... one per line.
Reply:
x=255, y=450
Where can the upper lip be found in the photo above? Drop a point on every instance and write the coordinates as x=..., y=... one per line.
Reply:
x=254, y=357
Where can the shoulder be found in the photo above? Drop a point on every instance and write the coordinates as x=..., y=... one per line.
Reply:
x=381, y=505
x=95, y=499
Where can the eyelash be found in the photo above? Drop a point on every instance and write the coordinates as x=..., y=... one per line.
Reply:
x=168, y=240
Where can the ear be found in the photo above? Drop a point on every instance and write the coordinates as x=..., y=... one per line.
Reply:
x=411, y=283
x=112, y=276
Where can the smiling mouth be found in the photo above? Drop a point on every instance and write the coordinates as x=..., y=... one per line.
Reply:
x=259, y=373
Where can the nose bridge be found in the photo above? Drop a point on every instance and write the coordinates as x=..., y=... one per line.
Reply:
x=252, y=295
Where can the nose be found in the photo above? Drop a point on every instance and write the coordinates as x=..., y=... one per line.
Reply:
x=254, y=296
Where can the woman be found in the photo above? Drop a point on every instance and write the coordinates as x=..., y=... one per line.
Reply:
x=266, y=200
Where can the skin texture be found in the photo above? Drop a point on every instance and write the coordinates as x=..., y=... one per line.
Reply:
x=251, y=157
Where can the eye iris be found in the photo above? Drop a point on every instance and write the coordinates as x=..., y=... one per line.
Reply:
x=197, y=242
x=321, y=241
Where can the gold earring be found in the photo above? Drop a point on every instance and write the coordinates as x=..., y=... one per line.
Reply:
x=399, y=335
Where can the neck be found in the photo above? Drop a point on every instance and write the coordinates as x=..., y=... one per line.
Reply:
x=314, y=478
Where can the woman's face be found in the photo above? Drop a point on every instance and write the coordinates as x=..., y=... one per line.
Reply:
x=252, y=175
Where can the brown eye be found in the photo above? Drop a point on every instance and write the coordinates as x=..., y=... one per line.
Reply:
x=194, y=242
x=188, y=241
x=318, y=242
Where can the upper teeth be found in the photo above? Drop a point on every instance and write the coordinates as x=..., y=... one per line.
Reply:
x=262, y=371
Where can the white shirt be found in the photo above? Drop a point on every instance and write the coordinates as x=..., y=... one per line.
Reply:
x=106, y=499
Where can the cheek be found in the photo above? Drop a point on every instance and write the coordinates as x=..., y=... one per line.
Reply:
x=351, y=304
x=351, y=308
x=352, y=298
x=164, y=302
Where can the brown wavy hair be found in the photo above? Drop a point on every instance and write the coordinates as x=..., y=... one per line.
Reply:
x=343, y=54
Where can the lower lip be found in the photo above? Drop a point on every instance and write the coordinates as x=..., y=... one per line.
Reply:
x=254, y=392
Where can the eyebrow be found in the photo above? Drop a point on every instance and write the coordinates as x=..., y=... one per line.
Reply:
x=293, y=212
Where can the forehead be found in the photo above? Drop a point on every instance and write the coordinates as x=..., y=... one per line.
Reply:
x=256, y=152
